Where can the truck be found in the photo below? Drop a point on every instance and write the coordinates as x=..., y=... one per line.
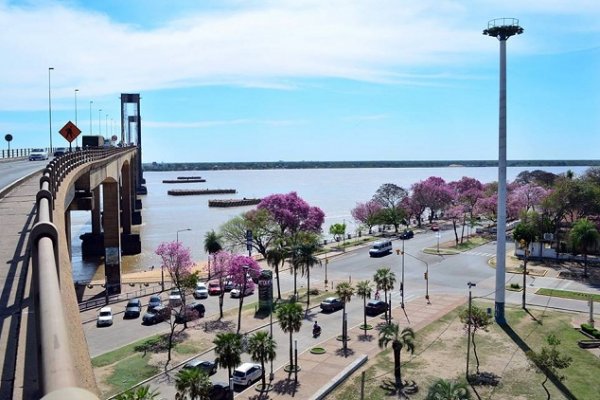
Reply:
x=92, y=141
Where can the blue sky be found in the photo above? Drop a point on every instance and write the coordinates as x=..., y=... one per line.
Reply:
x=235, y=80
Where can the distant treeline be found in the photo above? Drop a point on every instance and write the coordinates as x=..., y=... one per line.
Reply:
x=203, y=166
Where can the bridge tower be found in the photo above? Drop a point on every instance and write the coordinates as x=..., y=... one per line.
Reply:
x=131, y=133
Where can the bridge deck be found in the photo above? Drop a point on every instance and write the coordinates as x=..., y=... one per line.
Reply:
x=17, y=328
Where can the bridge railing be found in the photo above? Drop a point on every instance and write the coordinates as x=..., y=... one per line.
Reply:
x=57, y=373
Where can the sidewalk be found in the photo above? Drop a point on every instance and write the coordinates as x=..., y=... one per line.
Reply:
x=319, y=371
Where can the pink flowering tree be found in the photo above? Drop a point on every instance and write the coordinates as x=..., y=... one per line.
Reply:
x=367, y=214
x=467, y=192
x=292, y=214
x=177, y=260
x=220, y=272
x=242, y=270
x=455, y=214
x=530, y=195
x=433, y=193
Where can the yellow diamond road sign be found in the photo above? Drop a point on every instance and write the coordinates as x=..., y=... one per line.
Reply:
x=70, y=131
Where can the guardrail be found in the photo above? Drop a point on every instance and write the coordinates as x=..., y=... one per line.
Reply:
x=57, y=374
x=14, y=153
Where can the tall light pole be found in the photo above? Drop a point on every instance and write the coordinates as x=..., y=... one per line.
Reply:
x=182, y=230
x=99, y=126
x=242, y=295
x=50, y=69
x=76, y=90
x=502, y=29
x=470, y=285
x=425, y=275
x=106, y=125
x=91, y=102
x=401, y=252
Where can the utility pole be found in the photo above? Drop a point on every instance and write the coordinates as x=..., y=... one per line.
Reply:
x=470, y=284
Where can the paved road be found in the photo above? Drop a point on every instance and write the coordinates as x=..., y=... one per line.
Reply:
x=13, y=170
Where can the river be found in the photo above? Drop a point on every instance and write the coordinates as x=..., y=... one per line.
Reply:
x=335, y=191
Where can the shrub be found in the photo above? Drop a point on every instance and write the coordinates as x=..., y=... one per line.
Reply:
x=515, y=286
x=589, y=329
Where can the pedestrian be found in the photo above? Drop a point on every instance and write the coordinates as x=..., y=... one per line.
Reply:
x=377, y=295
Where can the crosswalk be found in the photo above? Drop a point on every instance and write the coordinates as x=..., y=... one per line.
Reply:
x=479, y=253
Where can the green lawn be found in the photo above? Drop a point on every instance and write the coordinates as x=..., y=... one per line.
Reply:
x=567, y=294
x=128, y=372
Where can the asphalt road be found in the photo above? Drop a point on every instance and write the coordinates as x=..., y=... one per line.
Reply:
x=11, y=171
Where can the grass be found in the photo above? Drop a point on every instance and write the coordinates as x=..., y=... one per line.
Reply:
x=451, y=248
x=119, y=354
x=516, y=382
x=128, y=372
x=317, y=350
x=567, y=294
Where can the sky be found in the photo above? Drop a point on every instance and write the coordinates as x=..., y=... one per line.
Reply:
x=295, y=80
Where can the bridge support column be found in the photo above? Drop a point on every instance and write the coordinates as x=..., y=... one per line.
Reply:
x=130, y=241
x=112, y=236
x=92, y=243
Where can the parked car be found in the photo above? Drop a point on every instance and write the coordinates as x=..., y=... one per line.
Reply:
x=38, y=154
x=208, y=367
x=214, y=288
x=407, y=234
x=133, y=308
x=220, y=391
x=175, y=297
x=246, y=374
x=435, y=227
x=376, y=307
x=158, y=314
x=190, y=312
x=228, y=285
x=59, y=151
x=154, y=301
x=105, y=317
x=331, y=304
x=201, y=291
x=236, y=292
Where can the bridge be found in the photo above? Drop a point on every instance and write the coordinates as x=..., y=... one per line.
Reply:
x=43, y=350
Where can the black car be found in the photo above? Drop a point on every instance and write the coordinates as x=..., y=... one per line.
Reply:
x=220, y=391
x=190, y=312
x=208, y=367
x=407, y=235
x=154, y=301
x=59, y=151
x=133, y=308
x=376, y=307
x=156, y=315
x=331, y=304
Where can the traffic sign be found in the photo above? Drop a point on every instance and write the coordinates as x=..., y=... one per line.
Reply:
x=70, y=131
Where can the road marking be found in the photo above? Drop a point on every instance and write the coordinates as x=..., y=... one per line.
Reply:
x=479, y=253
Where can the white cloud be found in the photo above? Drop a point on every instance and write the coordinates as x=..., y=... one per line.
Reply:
x=263, y=44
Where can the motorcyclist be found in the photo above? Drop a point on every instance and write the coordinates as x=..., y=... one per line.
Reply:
x=316, y=329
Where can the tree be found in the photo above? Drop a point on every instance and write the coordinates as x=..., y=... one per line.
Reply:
x=238, y=270
x=276, y=255
x=139, y=393
x=177, y=261
x=290, y=320
x=367, y=213
x=525, y=233
x=291, y=214
x=261, y=347
x=390, y=197
x=344, y=291
x=192, y=384
x=584, y=236
x=338, y=231
x=303, y=258
x=391, y=333
x=228, y=347
x=480, y=320
x=212, y=245
x=433, y=193
x=448, y=390
x=549, y=360
x=363, y=290
x=259, y=222
x=221, y=270
x=384, y=279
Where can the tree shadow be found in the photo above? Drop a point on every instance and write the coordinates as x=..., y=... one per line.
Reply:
x=286, y=386
x=365, y=337
x=344, y=353
x=403, y=391
x=538, y=321
x=219, y=325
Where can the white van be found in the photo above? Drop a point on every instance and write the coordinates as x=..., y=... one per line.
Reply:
x=246, y=374
x=380, y=248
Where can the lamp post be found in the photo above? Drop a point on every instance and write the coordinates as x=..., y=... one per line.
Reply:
x=271, y=374
x=401, y=252
x=425, y=275
x=242, y=294
x=437, y=234
x=182, y=230
x=502, y=29
x=91, y=102
x=99, y=126
x=470, y=285
x=326, y=264
x=50, y=69
x=106, y=125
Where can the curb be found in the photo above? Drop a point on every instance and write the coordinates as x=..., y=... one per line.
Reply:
x=339, y=378
x=5, y=190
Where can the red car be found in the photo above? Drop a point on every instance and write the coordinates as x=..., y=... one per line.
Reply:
x=435, y=227
x=214, y=288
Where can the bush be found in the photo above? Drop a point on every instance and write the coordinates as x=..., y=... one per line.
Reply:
x=589, y=329
x=515, y=286
x=314, y=292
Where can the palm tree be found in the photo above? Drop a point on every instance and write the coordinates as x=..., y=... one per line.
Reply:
x=290, y=320
x=384, y=279
x=303, y=258
x=391, y=333
x=524, y=234
x=212, y=245
x=140, y=393
x=276, y=256
x=192, y=383
x=448, y=390
x=583, y=236
x=228, y=347
x=344, y=291
x=261, y=347
x=363, y=290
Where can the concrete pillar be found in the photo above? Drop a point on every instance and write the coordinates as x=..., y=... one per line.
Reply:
x=126, y=203
x=68, y=232
x=111, y=214
x=96, y=223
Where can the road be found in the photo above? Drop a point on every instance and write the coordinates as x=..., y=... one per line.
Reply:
x=13, y=170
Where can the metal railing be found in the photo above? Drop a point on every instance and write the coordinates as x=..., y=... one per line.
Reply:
x=14, y=153
x=57, y=372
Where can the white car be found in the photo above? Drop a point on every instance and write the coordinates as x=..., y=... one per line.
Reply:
x=38, y=154
x=175, y=297
x=246, y=374
x=105, y=317
x=201, y=291
x=237, y=291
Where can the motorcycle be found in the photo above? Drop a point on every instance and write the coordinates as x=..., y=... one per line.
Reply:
x=316, y=331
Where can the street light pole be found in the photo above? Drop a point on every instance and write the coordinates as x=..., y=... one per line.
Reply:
x=242, y=294
x=470, y=285
x=182, y=230
x=271, y=375
x=76, y=90
x=50, y=69
x=106, y=125
x=91, y=102
x=99, y=126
